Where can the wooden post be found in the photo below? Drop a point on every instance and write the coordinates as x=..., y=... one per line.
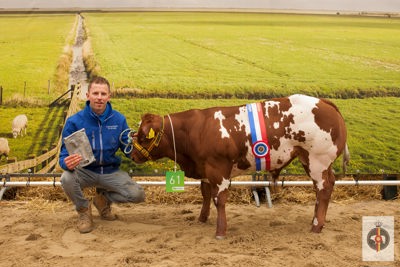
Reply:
x=1, y=95
x=46, y=162
x=60, y=128
x=72, y=90
x=32, y=156
x=12, y=160
x=24, y=89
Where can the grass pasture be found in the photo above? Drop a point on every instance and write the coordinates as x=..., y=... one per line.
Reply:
x=247, y=55
x=43, y=130
x=34, y=49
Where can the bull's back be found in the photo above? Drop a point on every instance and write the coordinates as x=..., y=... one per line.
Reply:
x=303, y=124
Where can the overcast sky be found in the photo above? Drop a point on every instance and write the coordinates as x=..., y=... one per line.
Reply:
x=328, y=5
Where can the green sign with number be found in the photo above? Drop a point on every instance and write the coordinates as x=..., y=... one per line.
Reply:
x=175, y=181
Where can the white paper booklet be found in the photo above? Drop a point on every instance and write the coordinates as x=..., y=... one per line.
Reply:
x=78, y=143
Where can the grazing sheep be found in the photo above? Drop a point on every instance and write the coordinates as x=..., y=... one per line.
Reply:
x=19, y=123
x=4, y=148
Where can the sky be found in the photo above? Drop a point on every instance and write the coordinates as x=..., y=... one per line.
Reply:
x=323, y=5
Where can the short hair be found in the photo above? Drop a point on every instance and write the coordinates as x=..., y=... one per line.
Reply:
x=99, y=80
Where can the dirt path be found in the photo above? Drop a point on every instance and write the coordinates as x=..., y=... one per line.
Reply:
x=78, y=72
x=41, y=233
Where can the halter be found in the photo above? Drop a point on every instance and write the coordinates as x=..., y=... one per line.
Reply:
x=154, y=143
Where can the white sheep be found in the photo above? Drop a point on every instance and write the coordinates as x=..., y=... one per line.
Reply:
x=4, y=148
x=19, y=124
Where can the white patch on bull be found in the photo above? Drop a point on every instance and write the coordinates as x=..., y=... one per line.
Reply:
x=224, y=185
x=318, y=143
x=270, y=104
x=218, y=115
x=221, y=187
x=315, y=221
x=243, y=120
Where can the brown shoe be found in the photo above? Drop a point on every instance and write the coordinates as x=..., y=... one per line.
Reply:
x=104, y=207
x=85, y=221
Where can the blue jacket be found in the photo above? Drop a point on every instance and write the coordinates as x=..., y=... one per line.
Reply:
x=103, y=133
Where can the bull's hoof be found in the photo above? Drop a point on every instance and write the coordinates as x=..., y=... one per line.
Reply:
x=317, y=229
x=202, y=219
x=220, y=237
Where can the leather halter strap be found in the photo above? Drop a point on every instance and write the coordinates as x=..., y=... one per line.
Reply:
x=154, y=143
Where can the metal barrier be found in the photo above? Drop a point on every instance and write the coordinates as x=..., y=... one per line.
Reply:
x=5, y=181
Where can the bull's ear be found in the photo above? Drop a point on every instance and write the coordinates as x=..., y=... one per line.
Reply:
x=151, y=134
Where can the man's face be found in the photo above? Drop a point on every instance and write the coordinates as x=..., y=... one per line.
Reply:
x=98, y=96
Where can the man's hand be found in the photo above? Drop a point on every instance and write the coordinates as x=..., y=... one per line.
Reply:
x=72, y=161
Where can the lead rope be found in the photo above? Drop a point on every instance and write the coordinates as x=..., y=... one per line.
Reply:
x=173, y=140
x=128, y=146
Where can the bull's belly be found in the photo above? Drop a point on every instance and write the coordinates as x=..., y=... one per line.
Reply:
x=278, y=159
x=252, y=168
x=318, y=156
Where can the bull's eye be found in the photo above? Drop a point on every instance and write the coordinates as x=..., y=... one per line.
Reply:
x=141, y=137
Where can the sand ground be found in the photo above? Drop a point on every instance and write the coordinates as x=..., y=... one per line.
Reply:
x=43, y=233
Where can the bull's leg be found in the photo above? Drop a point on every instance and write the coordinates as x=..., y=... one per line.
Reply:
x=220, y=195
x=206, y=193
x=323, y=192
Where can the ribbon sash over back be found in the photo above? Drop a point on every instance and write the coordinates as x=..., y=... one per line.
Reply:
x=260, y=147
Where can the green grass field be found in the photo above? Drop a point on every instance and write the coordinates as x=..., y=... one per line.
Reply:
x=242, y=55
x=31, y=50
x=246, y=54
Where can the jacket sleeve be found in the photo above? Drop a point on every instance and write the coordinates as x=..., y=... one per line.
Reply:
x=68, y=129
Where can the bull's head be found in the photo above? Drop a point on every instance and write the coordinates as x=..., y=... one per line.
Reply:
x=148, y=138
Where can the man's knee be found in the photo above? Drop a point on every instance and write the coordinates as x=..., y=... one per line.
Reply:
x=67, y=179
x=136, y=194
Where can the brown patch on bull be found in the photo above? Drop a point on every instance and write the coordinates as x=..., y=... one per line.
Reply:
x=326, y=117
x=239, y=134
x=303, y=156
x=299, y=136
x=243, y=164
x=275, y=115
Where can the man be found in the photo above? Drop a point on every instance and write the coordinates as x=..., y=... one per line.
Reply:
x=104, y=128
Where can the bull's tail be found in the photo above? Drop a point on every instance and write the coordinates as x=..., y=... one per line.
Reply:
x=346, y=159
